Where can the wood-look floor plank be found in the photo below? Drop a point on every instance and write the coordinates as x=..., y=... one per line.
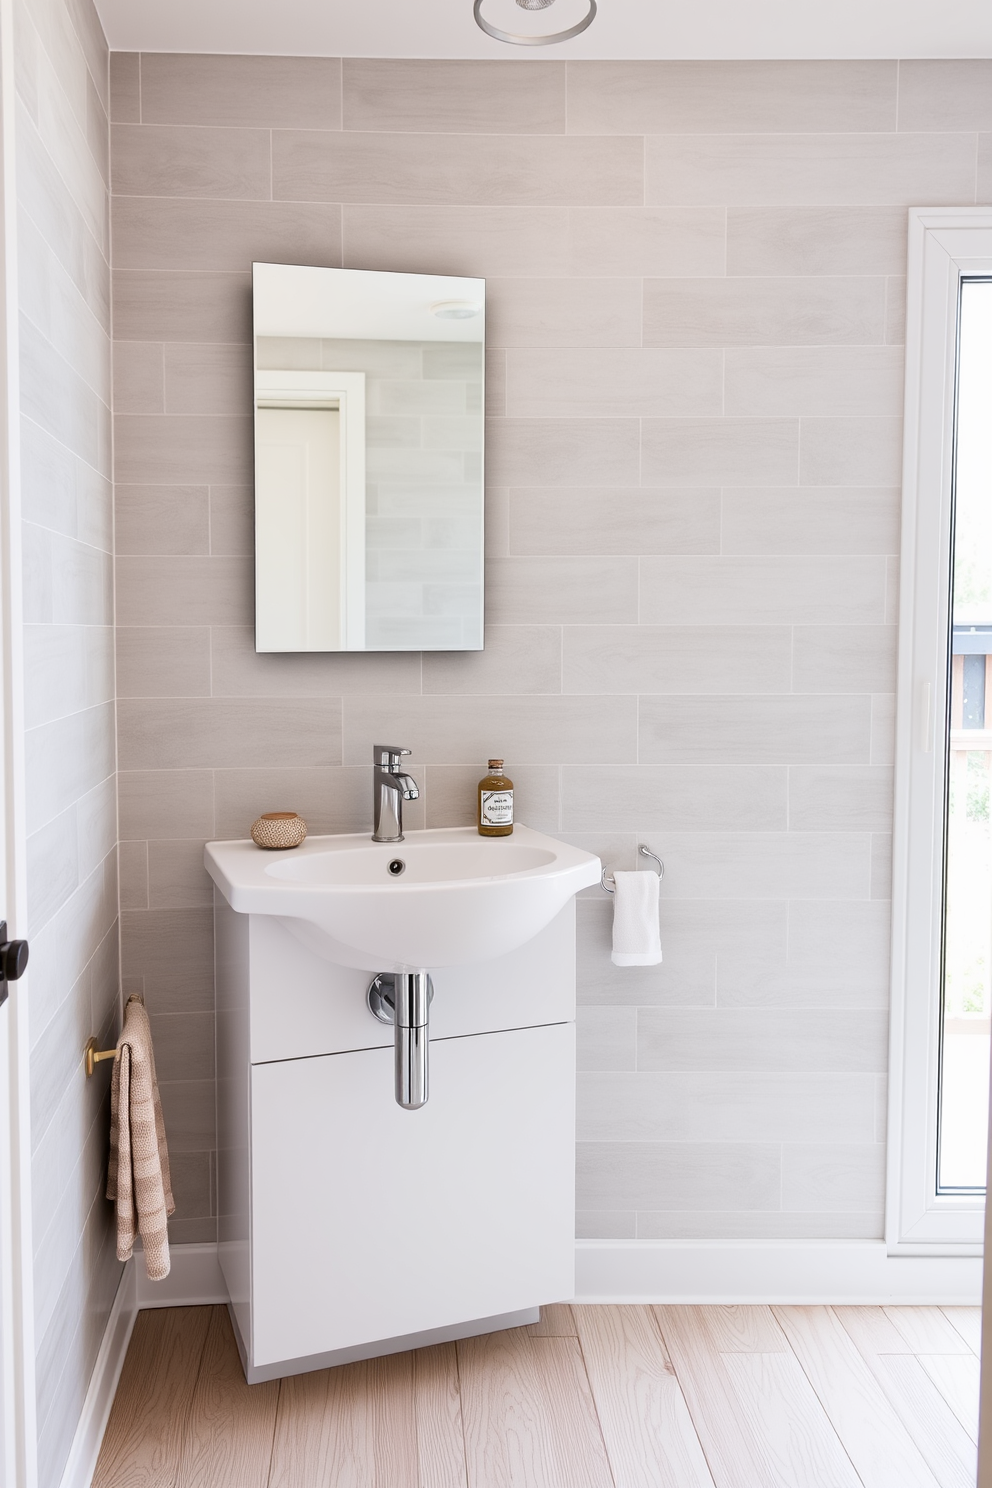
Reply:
x=786, y=1416
x=743, y=1330
x=926, y=1330
x=350, y=1427
x=147, y=1425
x=968, y=1322
x=943, y=1442
x=650, y=1439
x=957, y=1378
x=228, y=1442
x=873, y=1436
x=528, y=1414
x=438, y=1418
x=735, y=1455
x=872, y=1332
x=556, y=1322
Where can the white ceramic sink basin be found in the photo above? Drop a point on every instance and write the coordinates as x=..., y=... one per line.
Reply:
x=459, y=897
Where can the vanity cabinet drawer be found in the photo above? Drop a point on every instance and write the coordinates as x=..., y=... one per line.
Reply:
x=302, y=1005
x=370, y=1222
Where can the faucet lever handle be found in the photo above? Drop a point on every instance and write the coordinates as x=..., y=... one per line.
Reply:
x=388, y=756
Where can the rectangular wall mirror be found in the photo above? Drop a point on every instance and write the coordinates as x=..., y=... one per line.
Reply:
x=368, y=460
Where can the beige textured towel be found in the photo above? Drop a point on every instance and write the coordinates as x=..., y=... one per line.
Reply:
x=138, y=1178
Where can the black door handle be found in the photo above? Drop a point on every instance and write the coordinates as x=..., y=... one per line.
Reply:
x=13, y=960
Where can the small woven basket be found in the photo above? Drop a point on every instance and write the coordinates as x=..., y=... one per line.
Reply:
x=278, y=829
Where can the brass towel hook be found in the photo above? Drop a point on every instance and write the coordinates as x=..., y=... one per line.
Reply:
x=94, y=1055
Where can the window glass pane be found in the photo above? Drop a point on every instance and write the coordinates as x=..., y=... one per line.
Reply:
x=967, y=989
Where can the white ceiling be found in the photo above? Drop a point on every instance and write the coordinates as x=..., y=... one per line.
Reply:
x=623, y=29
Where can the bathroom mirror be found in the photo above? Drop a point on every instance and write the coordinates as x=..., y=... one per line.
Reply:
x=368, y=460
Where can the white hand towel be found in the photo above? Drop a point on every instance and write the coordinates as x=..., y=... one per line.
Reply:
x=636, y=938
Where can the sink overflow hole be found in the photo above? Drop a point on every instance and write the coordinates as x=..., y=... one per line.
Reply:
x=396, y=867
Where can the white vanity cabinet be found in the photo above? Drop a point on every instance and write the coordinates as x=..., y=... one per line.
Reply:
x=351, y=1227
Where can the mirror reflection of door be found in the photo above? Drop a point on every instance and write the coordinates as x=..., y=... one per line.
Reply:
x=300, y=525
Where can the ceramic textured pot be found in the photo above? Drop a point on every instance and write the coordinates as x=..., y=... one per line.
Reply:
x=279, y=829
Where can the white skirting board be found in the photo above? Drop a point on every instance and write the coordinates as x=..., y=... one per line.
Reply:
x=810, y=1272
x=703, y=1271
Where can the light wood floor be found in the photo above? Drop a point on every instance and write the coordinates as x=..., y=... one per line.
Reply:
x=590, y=1397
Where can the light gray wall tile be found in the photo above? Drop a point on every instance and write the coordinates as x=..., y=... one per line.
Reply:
x=275, y=92
x=237, y=670
x=133, y=861
x=714, y=451
x=548, y=519
x=232, y=520
x=516, y=658
x=783, y=730
x=566, y=452
x=526, y=730
x=740, y=1225
x=605, y=1224
x=755, y=1039
x=188, y=1109
x=328, y=799
x=984, y=175
x=836, y=1175
x=822, y=381
x=731, y=1106
x=648, y=241
x=566, y=313
x=843, y=798
x=808, y=169
x=758, y=312
x=606, y=1039
x=883, y=728
x=832, y=239
x=125, y=88
x=566, y=590
x=881, y=865
x=456, y=170
x=800, y=520
x=65, y=759
x=176, y=733
x=453, y=97
x=837, y=957
x=163, y=661
x=767, y=865
x=162, y=519
x=183, y=449
x=153, y=305
x=676, y=659
x=678, y=1175
x=844, y=658
x=673, y=798
x=850, y=452
x=775, y=590
x=938, y=95
x=598, y=384
x=176, y=234
x=711, y=97
x=138, y=377
x=173, y=950
x=180, y=160
x=67, y=668
x=206, y=380
x=477, y=240
x=895, y=311
x=197, y=591
x=177, y=879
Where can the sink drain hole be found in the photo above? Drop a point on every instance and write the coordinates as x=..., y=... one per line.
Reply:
x=396, y=867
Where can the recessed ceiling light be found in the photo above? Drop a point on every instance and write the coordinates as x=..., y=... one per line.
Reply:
x=547, y=39
x=456, y=309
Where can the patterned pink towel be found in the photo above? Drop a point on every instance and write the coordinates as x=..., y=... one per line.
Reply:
x=138, y=1178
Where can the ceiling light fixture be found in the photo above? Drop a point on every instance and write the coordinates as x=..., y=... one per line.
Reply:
x=544, y=40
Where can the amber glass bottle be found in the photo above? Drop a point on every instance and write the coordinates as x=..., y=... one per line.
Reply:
x=495, y=814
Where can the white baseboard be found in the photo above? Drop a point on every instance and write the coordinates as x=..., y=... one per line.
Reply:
x=195, y=1279
x=93, y=1419
x=785, y=1271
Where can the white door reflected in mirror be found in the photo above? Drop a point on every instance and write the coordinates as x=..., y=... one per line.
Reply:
x=368, y=460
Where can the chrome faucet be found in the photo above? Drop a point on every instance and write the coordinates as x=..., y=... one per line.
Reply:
x=390, y=788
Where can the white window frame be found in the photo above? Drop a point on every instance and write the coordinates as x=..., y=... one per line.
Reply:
x=945, y=245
